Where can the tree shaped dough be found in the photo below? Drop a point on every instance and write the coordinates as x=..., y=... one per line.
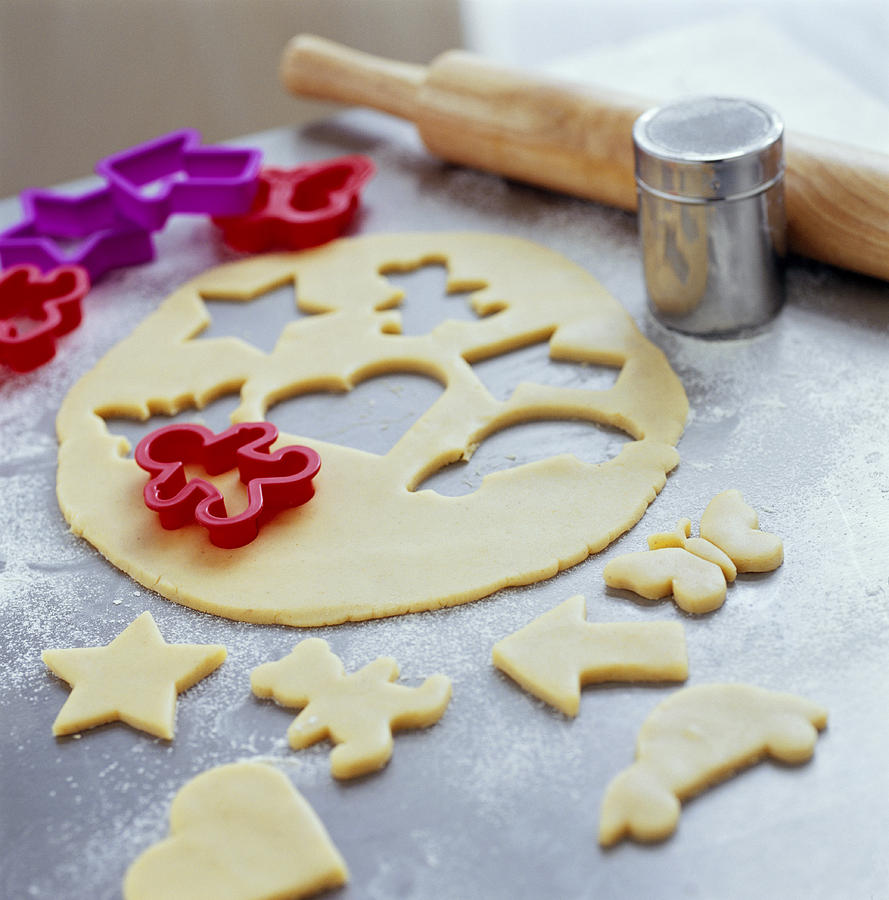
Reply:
x=697, y=586
x=134, y=679
x=698, y=737
x=729, y=522
x=358, y=712
x=560, y=651
x=238, y=832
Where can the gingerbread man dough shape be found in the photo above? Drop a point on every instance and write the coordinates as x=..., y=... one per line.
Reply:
x=358, y=712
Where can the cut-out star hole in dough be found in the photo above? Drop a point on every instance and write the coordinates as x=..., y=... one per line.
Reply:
x=358, y=712
x=560, y=651
x=134, y=679
x=697, y=737
x=372, y=545
x=238, y=832
x=259, y=324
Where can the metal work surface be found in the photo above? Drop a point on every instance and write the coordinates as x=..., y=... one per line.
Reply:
x=501, y=798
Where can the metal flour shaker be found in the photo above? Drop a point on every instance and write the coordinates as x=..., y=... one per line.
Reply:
x=710, y=183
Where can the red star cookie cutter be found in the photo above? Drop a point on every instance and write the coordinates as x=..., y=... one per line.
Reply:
x=50, y=301
x=274, y=480
x=300, y=207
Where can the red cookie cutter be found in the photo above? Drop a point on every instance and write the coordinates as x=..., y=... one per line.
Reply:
x=274, y=480
x=301, y=207
x=52, y=301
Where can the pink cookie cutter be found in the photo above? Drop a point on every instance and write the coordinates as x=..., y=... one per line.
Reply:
x=103, y=238
x=274, y=480
x=175, y=174
x=52, y=301
x=300, y=207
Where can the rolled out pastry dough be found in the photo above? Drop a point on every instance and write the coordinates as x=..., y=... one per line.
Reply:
x=368, y=544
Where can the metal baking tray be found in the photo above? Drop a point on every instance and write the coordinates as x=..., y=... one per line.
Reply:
x=500, y=799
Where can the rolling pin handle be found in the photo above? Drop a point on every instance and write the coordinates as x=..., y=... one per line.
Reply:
x=315, y=67
x=578, y=141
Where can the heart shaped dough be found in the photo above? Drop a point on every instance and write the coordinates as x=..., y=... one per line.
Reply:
x=238, y=832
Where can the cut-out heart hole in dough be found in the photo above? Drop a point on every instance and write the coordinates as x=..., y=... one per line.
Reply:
x=371, y=417
x=425, y=300
x=238, y=832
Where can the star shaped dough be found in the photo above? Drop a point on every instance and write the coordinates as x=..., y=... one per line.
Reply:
x=134, y=679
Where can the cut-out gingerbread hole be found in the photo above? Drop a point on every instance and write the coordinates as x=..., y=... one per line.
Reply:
x=426, y=300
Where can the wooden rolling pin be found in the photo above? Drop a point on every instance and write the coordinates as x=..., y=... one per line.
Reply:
x=579, y=141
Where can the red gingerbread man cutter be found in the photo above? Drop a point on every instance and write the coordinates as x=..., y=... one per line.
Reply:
x=274, y=480
x=51, y=305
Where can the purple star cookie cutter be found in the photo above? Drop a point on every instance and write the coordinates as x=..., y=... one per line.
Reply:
x=175, y=174
x=82, y=230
